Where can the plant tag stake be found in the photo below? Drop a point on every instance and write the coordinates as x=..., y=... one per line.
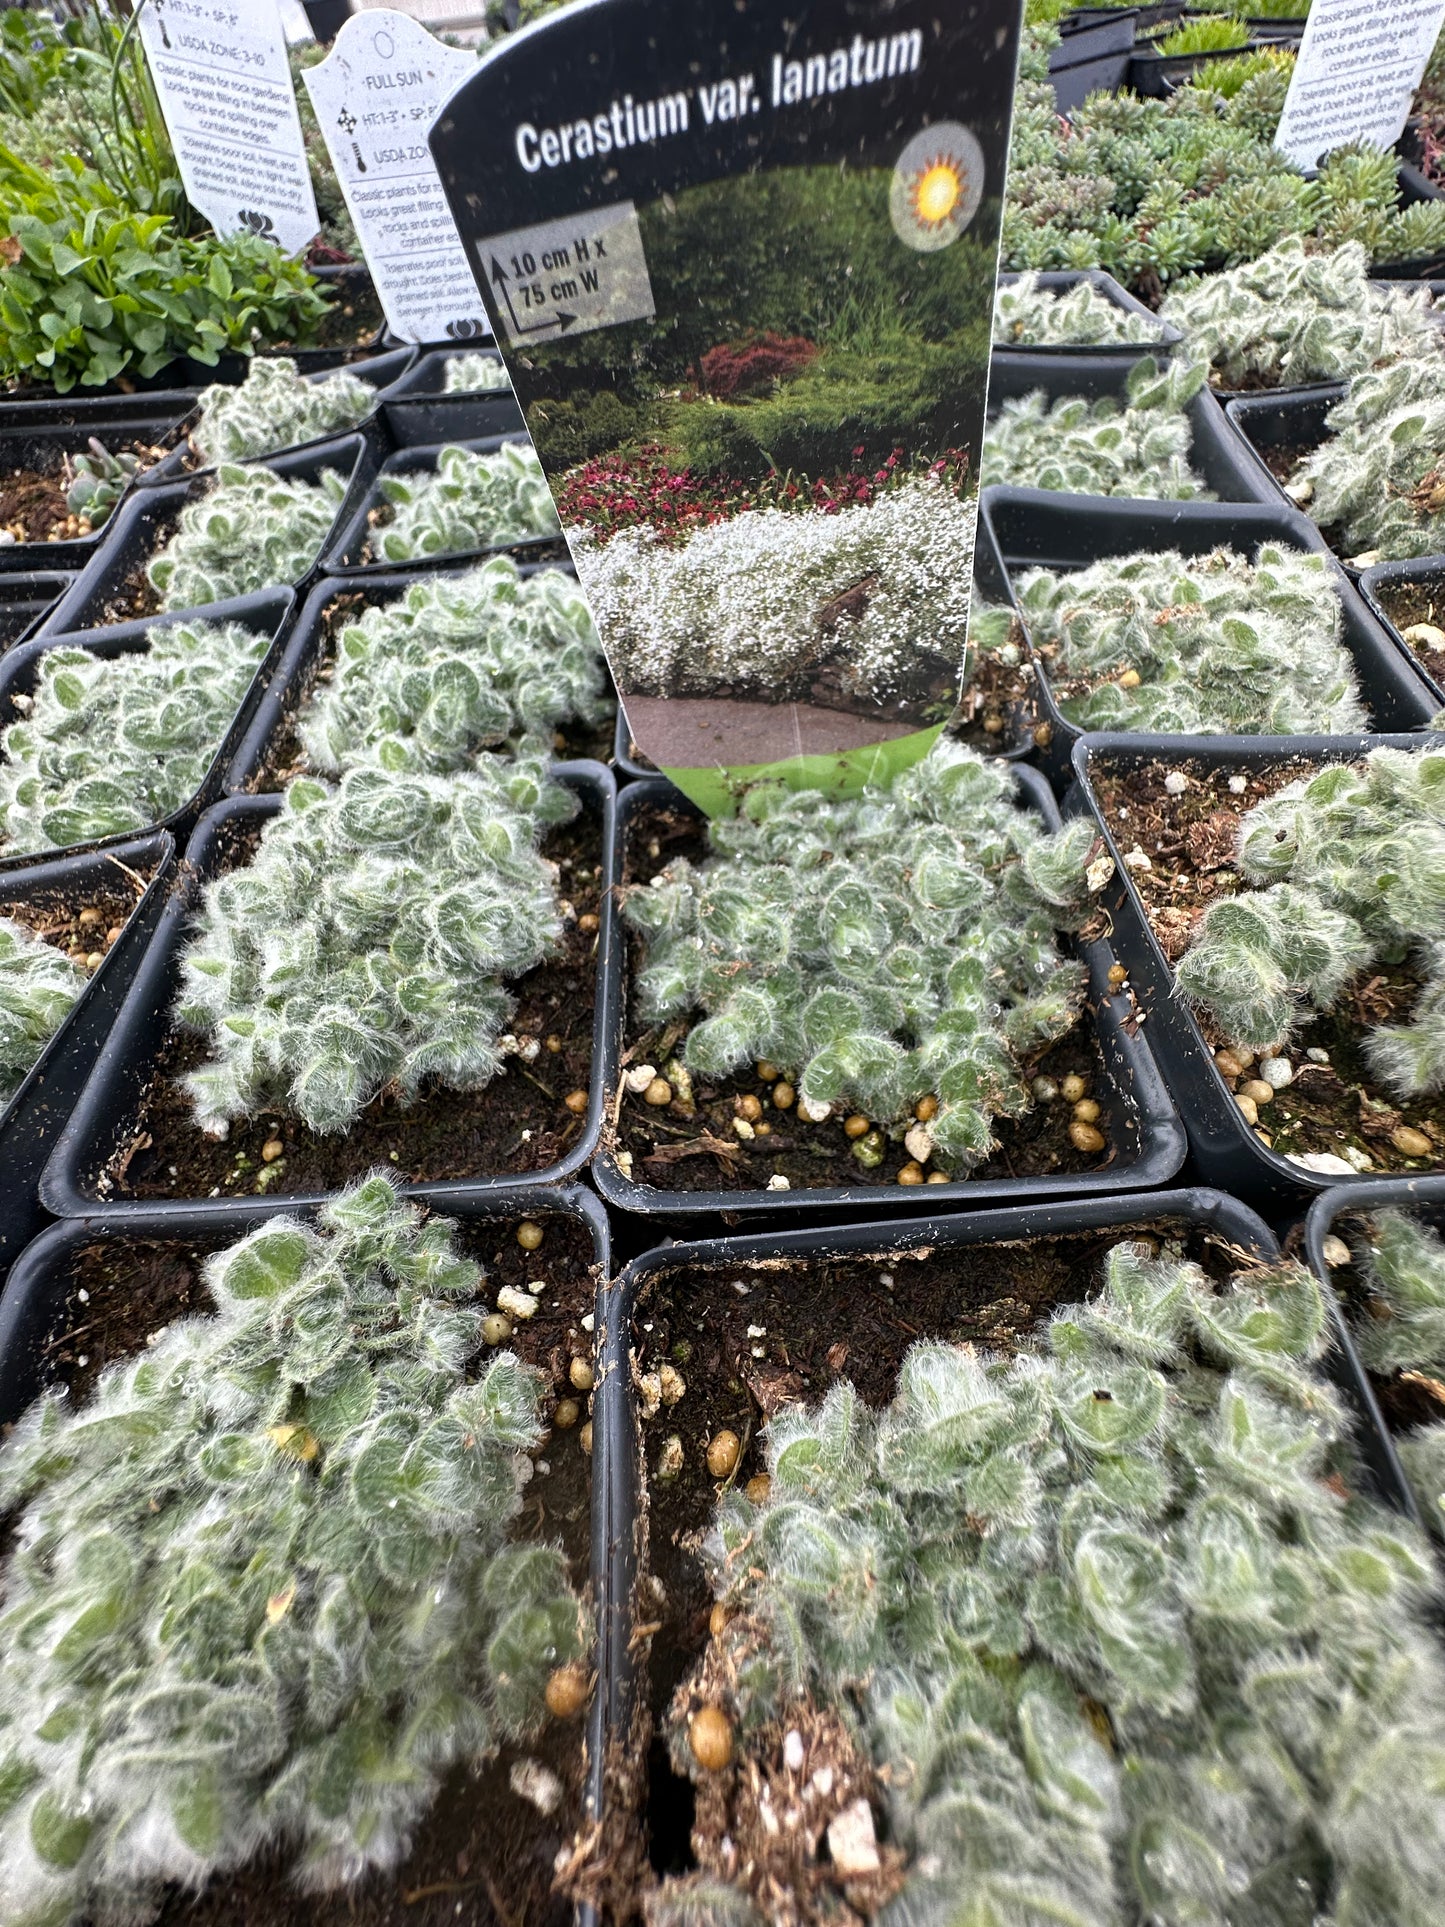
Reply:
x=741, y=268
x=376, y=95
x=1359, y=64
x=224, y=86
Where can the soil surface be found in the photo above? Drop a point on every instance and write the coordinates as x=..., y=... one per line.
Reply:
x=697, y=1148
x=353, y=321
x=84, y=924
x=996, y=710
x=133, y=598
x=32, y=500
x=1331, y=1107
x=1407, y=603
x=518, y=1123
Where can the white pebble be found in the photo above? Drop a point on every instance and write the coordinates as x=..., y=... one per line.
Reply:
x=1176, y=782
x=1336, y=1251
x=83, y=1295
x=589, y=1323
x=1324, y=1163
x=918, y=1142
x=793, y=1755
x=518, y=1304
x=1277, y=1072
x=777, y=1182
x=812, y=1113
x=852, y=1841
x=84, y=1359
x=823, y=1780
x=1316, y=1055
x=1357, y=1159
x=639, y=1077
x=532, y=1781
x=1238, y=785
x=1137, y=859
x=1098, y=873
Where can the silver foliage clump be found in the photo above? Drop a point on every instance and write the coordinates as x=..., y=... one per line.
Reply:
x=1377, y=481
x=368, y=942
x=251, y=531
x=1294, y=317
x=1026, y=315
x=38, y=986
x=1110, y=1618
x=1402, y=1266
x=1099, y=448
x=471, y=500
x=877, y=948
x=261, y=1593
x=1347, y=869
x=760, y=603
x=458, y=663
x=1216, y=642
x=108, y=746
x=275, y=407
x=474, y=374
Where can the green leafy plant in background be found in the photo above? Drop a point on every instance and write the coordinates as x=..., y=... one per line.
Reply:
x=1377, y=480
x=252, y=530
x=1216, y=35
x=1402, y=1271
x=275, y=407
x=1110, y=1618
x=457, y=664
x=38, y=985
x=471, y=500
x=367, y=942
x=110, y=746
x=1192, y=645
x=474, y=374
x=261, y=1593
x=1026, y=315
x=1099, y=447
x=1345, y=868
x=878, y=949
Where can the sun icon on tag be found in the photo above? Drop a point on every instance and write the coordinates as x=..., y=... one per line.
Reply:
x=937, y=186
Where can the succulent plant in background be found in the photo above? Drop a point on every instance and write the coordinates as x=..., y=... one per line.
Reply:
x=96, y=480
x=1100, y=448
x=1191, y=645
x=471, y=500
x=1026, y=315
x=260, y=1594
x=1402, y=1271
x=1215, y=35
x=252, y=530
x=457, y=664
x=474, y=374
x=1377, y=481
x=1110, y=1621
x=878, y=949
x=275, y=407
x=38, y=985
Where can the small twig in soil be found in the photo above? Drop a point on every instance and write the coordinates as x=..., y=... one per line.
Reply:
x=411, y=1895
x=704, y=1146
x=531, y=1079
x=138, y=881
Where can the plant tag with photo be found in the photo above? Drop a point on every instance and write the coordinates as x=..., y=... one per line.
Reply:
x=741, y=268
x=224, y=85
x=376, y=95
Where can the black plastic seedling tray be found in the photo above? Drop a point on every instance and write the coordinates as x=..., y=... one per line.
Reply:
x=266, y=613
x=26, y=600
x=1144, y=1128
x=144, y=522
x=1375, y=584
x=1223, y=1149
x=420, y=414
x=1156, y=76
x=1217, y=454
x=1074, y=80
x=1287, y=421
x=32, y=1120
x=1035, y=528
x=626, y=756
x=71, y=1185
x=1060, y=281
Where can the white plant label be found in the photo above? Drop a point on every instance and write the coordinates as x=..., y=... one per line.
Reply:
x=376, y=95
x=224, y=85
x=1359, y=64
x=585, y=271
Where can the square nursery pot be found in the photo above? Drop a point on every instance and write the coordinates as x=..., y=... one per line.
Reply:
x=1146, y=1140
x=627, y=759
x=1279, y=428
x=421, y=411
x=1061, y=281
x=26, y=600
x=130, y=881
x=266, y=751
x=1074, y=80
x=183, y=464
x=1217, y=453
x=1223, y=1148
x=1036, y=528
x=1157, y=76
x=41, y=1320
x=348, y=551
x=113, y=583
x=266, y=613
x=109, y=1123
x=1389, y=588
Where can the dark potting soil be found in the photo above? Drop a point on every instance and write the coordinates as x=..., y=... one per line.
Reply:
x=995, y=710
x=1408, y=603
x=352, y=322
x=133, y=598
x=517, y=1123
x=84, y=923
x=1335, y=1107
x=697, y=1149
x=1407, y=1399
x=33, y=507
x=1283, y=458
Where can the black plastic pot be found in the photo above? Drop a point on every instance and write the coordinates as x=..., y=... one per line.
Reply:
x=420, y=412
x=32, y=1120
x=1288, y=420
x=347, y=550
x=1103, y=284
x=266, y=613
x=70, y=1186
x=1223, y=1149
x=1375, y=584
x=1034, y=528
x=1217, y=454
x=626, y=756
x=1156, y=76
x=1074, y=80
x=1086, y=32
x=144, y=523
x=1141, y=1118
x=26, y=600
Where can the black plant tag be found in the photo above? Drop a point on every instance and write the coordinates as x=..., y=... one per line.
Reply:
x=741, y=265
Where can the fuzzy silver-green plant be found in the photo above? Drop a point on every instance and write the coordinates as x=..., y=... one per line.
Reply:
x=469, y=501
x=1377, y=481
x=368, y=941
x=113, y=745
x=275, y=407
x=1026, y=315
x=1110, y=1618
x=1215, y=643
x=1346, y=868
x=1402, y=1267
x=1100, y=448
x=251, y=530
x=877, y=948
x=457, y=664
x=1294, y=317
x=38, y=986
x=260, y=1592
x=474, y=374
